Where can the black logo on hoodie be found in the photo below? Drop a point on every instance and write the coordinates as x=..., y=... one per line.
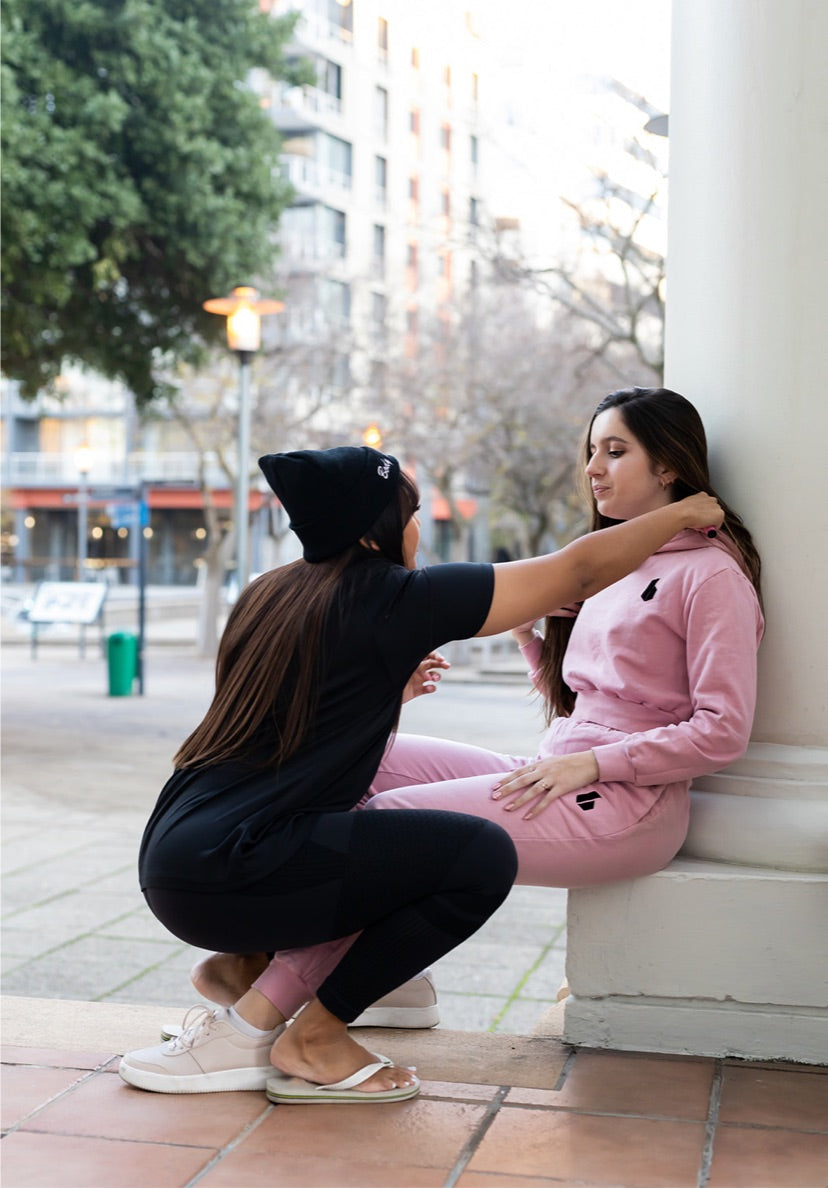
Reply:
x=650, y=592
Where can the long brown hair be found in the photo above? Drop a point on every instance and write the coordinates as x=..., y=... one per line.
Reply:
x=671, y=431
x=270, y=657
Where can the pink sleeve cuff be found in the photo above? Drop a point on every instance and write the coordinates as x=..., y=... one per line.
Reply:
x=614, y=763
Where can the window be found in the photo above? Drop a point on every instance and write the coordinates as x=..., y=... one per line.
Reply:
x=381, y=111
x=414, y=189
x=378, y=309
x=414, y=121
x=382, y=37
x=475, y=84
x=415, y=58
x=336, y=300
x=379, y=241
x=474, y=211
x=339, y=157
x=381, y=179
x=472, y=25
x=341, y=371
x=474, y=149
x=411, y=256
x=411, y=321
x=445, y=137
x=341, y=17
x=333, y=230
x=329, y=78
x=447, y=77
x=445, y=203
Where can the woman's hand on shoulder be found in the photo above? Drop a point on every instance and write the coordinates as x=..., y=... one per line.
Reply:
x=525, y=633
x=701, y=510
x=545, y=780
x=425, y=676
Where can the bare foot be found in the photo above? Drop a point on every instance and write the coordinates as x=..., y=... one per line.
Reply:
x=225, y=977
x=318, y=1048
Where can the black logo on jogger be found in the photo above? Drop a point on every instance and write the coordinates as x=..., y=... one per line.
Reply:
x=586, y=800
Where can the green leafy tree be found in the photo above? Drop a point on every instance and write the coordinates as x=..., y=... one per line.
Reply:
x=140, y=177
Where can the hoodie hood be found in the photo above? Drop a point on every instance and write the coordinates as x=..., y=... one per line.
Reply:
x=694, y=538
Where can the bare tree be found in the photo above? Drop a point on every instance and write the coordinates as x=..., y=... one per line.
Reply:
x=616, y=283
x=490, y=407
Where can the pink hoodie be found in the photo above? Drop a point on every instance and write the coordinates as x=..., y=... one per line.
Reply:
x=668, y=656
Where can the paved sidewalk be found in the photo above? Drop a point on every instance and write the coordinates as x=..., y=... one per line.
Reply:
x=81, y=771
x=88, y=974
x=496, y=1111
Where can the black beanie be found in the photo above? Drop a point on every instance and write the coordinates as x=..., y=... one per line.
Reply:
x=332, y=496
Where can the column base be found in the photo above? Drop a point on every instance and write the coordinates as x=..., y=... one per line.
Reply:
x=703, y=958
x=696, y=1029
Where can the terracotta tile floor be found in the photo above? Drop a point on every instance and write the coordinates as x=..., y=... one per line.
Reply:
x=502, y=1112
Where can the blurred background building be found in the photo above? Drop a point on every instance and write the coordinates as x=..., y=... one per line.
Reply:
x=421, y=157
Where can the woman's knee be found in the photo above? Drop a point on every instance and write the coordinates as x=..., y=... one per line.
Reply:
x=491, y=858
x=503, y=849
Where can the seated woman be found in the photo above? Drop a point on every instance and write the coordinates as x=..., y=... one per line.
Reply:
x=647, y=684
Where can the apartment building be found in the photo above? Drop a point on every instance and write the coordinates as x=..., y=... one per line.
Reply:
x=388, y=156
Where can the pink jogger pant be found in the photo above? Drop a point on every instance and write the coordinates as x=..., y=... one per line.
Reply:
x=625, y=832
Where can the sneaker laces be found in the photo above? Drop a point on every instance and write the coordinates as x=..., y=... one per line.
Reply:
x=196, y=1025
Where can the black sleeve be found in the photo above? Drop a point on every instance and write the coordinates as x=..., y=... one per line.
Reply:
x=433, y=606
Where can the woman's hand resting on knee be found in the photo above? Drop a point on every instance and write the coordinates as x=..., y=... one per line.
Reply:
x=545, y=780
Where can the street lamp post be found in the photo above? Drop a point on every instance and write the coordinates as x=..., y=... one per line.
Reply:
x=244, y=310
x=83, y=464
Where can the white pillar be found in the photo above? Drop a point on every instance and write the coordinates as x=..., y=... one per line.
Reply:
x=747, y=330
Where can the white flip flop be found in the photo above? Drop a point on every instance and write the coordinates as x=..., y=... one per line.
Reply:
x=295, y=1091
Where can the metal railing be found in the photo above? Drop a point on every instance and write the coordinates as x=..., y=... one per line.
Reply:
x=60, y=470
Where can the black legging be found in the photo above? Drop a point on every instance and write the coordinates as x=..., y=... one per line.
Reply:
x=413, y=883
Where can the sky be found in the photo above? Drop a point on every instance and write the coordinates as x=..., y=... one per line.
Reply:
x=556, y=39
x=546, y=49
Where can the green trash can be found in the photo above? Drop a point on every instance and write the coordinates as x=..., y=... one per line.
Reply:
x=122, y=658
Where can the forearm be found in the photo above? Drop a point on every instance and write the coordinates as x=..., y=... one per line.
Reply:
x=601, y=558
x=672, y=754
x=526, y=590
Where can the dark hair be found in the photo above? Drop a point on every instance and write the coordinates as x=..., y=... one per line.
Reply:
x=387, y=530
x=671, y=431
x=270, y=657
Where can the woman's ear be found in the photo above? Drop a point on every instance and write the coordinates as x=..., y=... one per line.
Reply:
x=665, y=477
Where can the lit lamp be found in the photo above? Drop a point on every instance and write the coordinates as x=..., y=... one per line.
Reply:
x=244, y=310
x=372, y=437
x=83, y=465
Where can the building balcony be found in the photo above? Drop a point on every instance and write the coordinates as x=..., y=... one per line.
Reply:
x=314, y=32
x=37, y=470
x=307, y=103
x=312, y=251
x=315, y=180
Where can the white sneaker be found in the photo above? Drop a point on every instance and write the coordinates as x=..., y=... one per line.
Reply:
x=210, y=1055
x=414, y=1004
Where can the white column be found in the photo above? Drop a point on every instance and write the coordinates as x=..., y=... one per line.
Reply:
x=726, y=951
